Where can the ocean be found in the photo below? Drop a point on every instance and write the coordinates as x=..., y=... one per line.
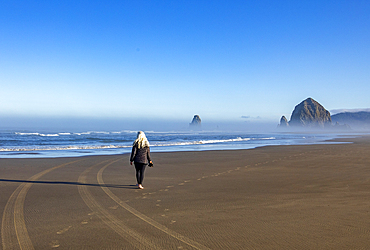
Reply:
x=34, y=143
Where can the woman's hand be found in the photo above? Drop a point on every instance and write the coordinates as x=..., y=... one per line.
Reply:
x=130, y=162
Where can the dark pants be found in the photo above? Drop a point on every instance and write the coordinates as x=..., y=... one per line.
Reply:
x=140, y=168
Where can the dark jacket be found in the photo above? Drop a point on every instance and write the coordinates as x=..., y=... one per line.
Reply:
x=140, y=155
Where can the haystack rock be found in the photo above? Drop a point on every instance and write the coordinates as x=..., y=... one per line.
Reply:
x=196, y=122
x=310, y=113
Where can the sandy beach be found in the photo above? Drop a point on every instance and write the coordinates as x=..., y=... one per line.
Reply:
x=276, y=197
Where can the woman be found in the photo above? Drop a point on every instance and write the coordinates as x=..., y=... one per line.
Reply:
x=140, y=155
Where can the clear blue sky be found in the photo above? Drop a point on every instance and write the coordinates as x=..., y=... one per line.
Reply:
x=223, y=60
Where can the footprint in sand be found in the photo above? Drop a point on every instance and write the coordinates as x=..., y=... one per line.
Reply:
x=114, y=207
x=84, y=222
x=54, y=244
x=64, y=230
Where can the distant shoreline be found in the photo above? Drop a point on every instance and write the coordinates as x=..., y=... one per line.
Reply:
x=344, y=138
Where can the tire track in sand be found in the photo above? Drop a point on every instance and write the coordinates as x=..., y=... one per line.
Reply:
x=145, y=218
x=14, y=232
x=134, y=238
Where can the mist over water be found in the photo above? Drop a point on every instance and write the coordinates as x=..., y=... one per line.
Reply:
x=81, y=137
x=73, y=124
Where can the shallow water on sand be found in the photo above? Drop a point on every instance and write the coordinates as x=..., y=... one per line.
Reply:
x=25, y=144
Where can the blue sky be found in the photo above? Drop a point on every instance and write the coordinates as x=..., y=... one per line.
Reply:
x=235, y=61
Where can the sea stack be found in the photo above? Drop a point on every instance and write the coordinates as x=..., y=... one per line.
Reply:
x=309, y=113
x=283, y=122
x=196, y=122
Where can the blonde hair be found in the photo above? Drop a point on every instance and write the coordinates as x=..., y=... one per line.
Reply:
x=141, y=140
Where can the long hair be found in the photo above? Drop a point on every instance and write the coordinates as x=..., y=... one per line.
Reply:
x=141, y=140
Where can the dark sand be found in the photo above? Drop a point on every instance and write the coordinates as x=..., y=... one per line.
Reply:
x=280, y=197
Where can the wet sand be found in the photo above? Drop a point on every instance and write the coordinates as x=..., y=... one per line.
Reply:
x=277, y=197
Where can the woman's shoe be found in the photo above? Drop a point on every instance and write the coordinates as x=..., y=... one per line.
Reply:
x=140, y=186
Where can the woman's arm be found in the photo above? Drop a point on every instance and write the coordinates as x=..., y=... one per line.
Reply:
x=133, y=153
x=148, y=155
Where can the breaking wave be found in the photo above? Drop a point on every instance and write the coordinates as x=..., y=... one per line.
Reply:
x=104, y=146
x=81, y=143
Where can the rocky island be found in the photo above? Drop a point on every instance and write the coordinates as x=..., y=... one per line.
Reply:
x=310, y=114
x=196, y=122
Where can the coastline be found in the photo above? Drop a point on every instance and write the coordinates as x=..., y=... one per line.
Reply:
x=36, y=145
x=270, y=197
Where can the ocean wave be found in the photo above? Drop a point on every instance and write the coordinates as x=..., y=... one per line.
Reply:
x=20, y=133
x=51, y=135
x=67, y=133
x=114, y=142
x=155, y=144
x=226, y=140
x=200, y=142
x=62, y=148
x=37, y=134
x=128, y=132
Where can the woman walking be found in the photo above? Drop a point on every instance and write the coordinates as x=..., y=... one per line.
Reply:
x=140, y=155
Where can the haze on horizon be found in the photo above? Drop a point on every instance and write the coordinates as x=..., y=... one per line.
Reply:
x=152, y=64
